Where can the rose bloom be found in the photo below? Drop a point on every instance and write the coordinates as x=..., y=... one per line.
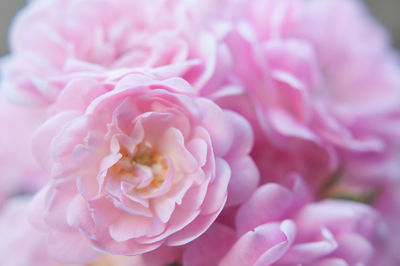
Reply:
x=139, y=166
x=19, y=171
x=281, y=226
x=52, y=41
x=320, y=94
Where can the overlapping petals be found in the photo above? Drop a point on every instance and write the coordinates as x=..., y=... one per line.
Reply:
x=142, y=165
x=193, y=133
x=54, y=41
x=274, y=229
x=314, y=86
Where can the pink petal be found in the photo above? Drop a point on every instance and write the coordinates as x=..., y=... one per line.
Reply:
x=174, y=147
x=263, y=245
x=78, y=94
x=51, y=128
x=134, y=226
x=267, y=204
x=244, y=180
x=179, y=220
x=211, y=247
x=216, y=123
x=79, y=217
x=217, y=189
x=193, y=230
x=242, y=135
x=163, y=208
x=198, y=148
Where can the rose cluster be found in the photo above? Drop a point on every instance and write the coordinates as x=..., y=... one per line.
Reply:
x=199, y=133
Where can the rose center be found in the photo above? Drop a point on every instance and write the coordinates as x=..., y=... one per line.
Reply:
x=145, y=158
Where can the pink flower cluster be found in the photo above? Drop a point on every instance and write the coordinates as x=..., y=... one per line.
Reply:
x=199, y=133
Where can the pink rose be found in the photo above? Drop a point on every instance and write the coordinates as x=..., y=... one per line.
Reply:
x=52, y=41
x=272, y=228
x=19, y=171
x=325, y=233
x=142, y=165
x=315, y=88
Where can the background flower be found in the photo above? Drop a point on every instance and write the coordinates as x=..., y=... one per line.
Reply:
x=53, y=41
x=20, y=174
x=275, y=227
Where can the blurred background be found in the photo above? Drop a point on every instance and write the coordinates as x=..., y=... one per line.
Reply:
x=387, y=11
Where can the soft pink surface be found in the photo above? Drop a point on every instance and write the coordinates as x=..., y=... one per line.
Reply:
x=19, y=171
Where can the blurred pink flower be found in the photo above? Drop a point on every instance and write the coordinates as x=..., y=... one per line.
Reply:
x=21, y=244
x=388, y=204
x=143, y=165
x=19, y=171
x=53, y=41
x=302, y=67
x=274, y=228
x=24, y=245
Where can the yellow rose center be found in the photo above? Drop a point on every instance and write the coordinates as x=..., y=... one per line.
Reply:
x=145, y=155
